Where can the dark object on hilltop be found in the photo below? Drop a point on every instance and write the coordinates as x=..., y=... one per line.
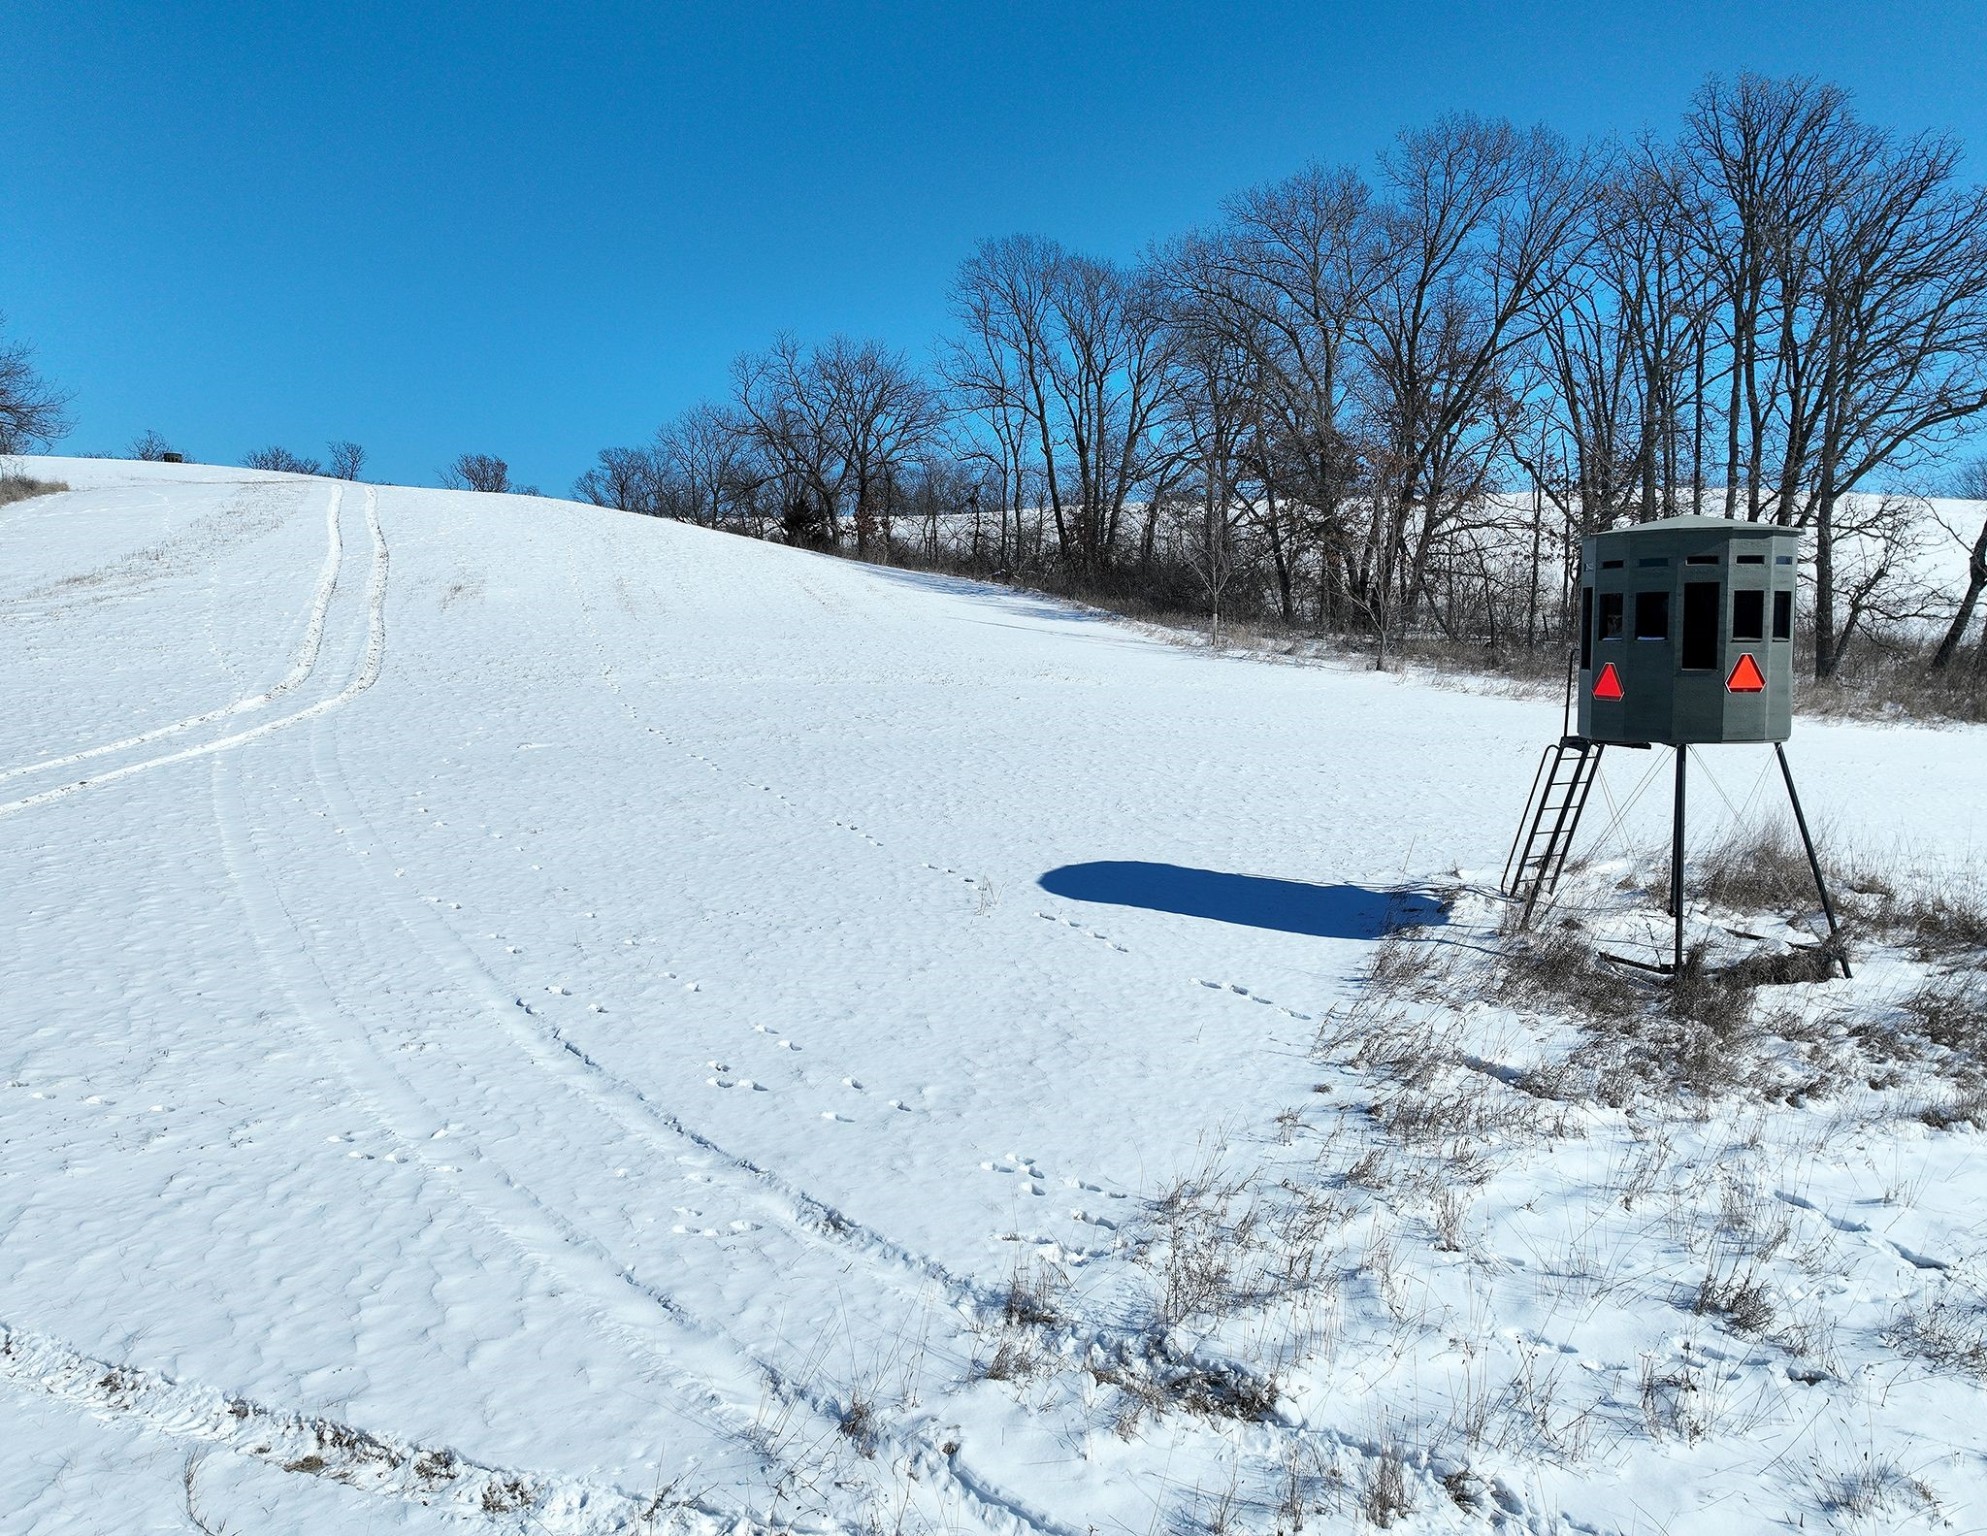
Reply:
x=151, y=447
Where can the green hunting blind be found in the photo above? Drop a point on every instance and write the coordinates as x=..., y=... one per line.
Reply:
x=1687, y=633
x=1686, y=639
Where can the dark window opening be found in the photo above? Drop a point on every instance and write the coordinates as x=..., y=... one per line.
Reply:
x=1610, y=565
x=1752, y=559
x=1652, y=615
x=1703, y=559
x=1783, y=559
x=1586, y=629
x=1699, y=650
x=1654, y=562
x=1610, y=616
x=1749, y=615
x=1783, y=615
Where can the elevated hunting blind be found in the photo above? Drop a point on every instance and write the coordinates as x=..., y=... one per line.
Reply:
x=1687, y=632
x=1686, y=639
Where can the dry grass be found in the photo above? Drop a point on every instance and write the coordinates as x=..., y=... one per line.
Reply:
x=1014, y=1359
x=1942, y=1025
x=859, y=1426
x=1675, y=1405
x=1938, y=921
x=1949, y=1333
x=1212, y=1245
x=1951, y=1012
x=19, y=488
x=1741, y=1299
x=1032, y=1293
x=1758, y=868
x=1386, y=1498
x=1894, y=677
x=1704, y=1031
x=1871, y=1487
x=1561, y=969
x=1154, y=1378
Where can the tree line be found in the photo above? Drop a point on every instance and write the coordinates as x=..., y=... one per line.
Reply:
x=1387, y=406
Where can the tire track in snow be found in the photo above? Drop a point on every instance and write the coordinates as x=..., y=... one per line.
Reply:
x=592, y=1082
x=367, y=675
x=815, y=1230
x=311, y=1446
x=701, y=1351
x=300, y=668
x=819, y=1218
x=614, y=1299
x=975, y=1494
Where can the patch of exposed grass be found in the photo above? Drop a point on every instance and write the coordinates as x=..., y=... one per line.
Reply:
x=1950, y=1334
x=1562, y=969
x=1951, y=1011
x=20, y=488
x=1760, y=868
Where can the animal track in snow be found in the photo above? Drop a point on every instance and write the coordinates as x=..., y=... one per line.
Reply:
x=1088, y=933
x=1022, y=1167
x=1254, y=997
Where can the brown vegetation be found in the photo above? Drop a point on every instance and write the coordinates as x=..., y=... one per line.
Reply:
x=19, y=488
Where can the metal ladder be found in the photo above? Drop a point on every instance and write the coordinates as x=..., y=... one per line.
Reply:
x=1559, y=793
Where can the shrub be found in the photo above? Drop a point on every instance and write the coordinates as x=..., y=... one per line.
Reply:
x=281, y=460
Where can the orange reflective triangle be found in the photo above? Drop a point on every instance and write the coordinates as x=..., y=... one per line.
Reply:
x=1608, y=684
x=1746, y=676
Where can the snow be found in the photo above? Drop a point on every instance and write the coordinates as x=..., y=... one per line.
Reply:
x=522, y=1017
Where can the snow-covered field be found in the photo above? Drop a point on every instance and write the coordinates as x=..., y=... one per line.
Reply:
x=516, y=1016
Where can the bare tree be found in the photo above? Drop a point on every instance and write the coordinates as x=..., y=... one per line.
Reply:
x=841, y=422
x=1070, y=353
x=1215, y=392
x=1852, y=282
x=281, y=460
x=33, y=413
x=1619, y=356
x=1757, y=162
x=346, y=459
x=153, y=447
x=705, y=468
x=1880, y=543
x=1901, y=342
x=1293, y=271
x=1320, y=407
x=1481, y=226
x=480, y=472
x=1108, y=370
x=623, y=478
x=997, y=368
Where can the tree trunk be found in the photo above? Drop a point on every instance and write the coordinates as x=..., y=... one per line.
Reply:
x=1826, y=651
x=1976, y=580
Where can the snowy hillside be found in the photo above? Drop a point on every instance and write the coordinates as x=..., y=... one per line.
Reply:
x=523, y=1017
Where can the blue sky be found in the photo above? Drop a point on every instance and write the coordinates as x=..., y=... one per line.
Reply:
x=534, y=231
